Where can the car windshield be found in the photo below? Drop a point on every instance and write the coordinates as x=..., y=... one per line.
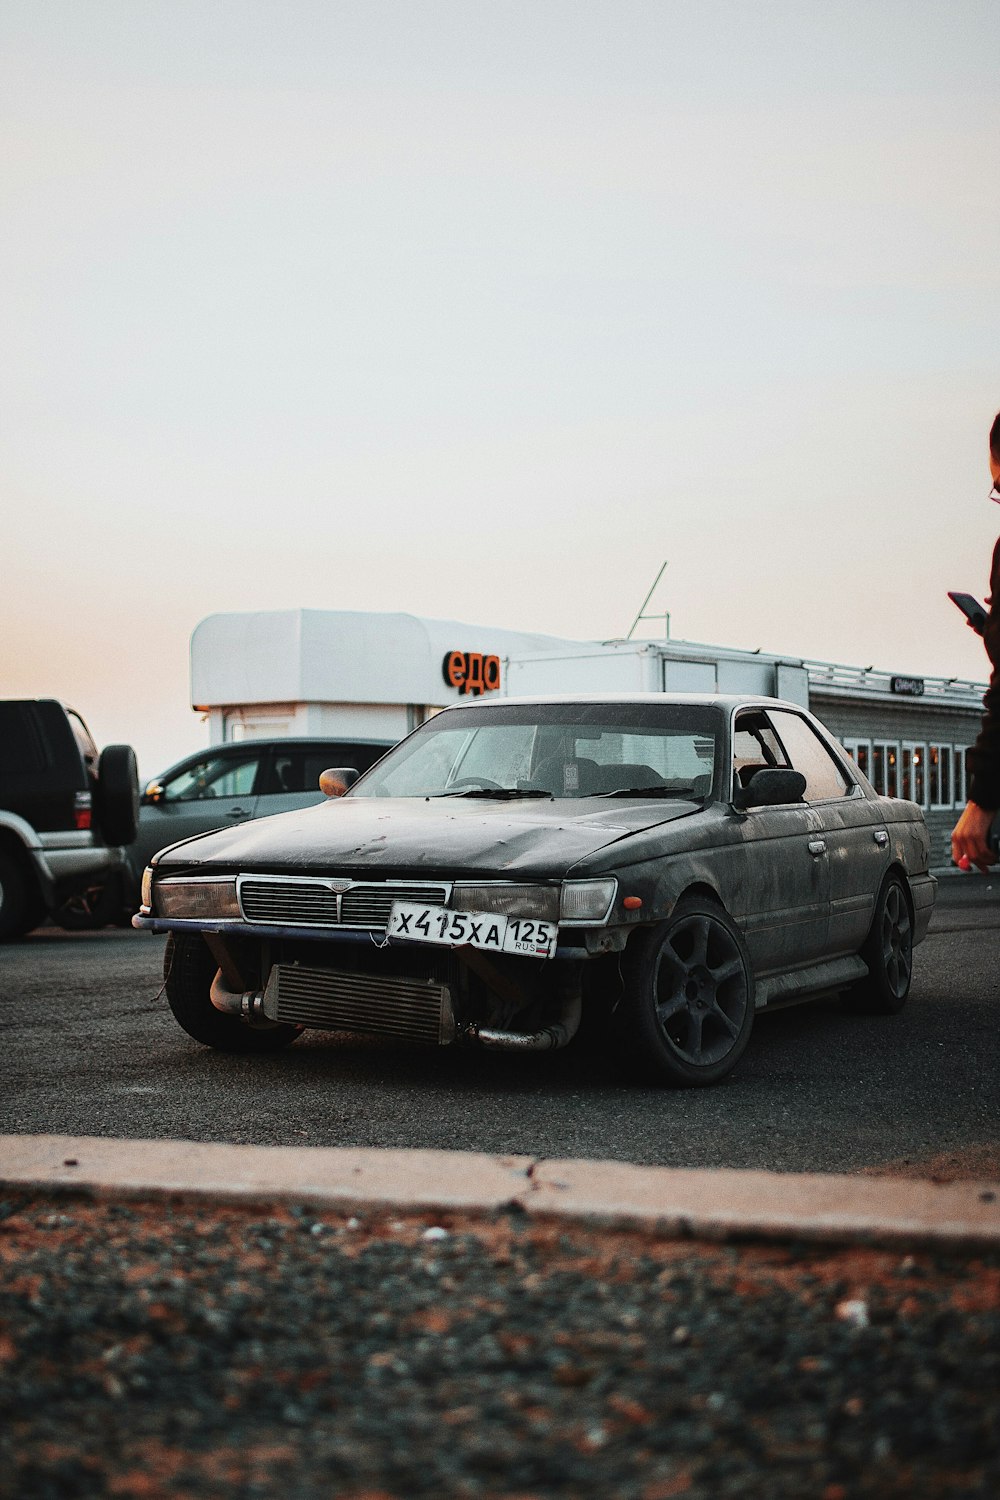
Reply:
x=566, y=750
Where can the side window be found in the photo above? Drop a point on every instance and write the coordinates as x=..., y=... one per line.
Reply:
x=83, y=739
x=807, y=753
x=755, y=744
x=289, y=771
x=213, y=776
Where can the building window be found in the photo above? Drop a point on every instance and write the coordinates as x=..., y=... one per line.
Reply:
x=860, y=752
x=940, y=768
x=884, y=773
x=961, y=775
x=913, y=785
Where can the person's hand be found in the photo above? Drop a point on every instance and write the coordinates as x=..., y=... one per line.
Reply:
x=970, y=838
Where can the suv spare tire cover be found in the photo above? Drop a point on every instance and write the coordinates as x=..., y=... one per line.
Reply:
x=118, y=794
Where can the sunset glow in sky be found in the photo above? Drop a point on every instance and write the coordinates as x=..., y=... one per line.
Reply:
x=481, y=310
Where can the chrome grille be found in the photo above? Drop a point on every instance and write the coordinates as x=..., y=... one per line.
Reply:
x=296, y=903
x=368, y=905
x=280, y=901
x=417, y=1010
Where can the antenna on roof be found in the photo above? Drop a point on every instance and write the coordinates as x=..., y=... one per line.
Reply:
x=665, y=617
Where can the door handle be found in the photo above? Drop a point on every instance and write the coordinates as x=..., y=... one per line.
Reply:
x=881, y=837
x=238, y=812
x=817, y=846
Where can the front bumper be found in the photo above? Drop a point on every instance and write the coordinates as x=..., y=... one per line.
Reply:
x=371, y=936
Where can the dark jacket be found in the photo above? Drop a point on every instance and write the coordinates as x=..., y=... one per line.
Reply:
x=984, y=757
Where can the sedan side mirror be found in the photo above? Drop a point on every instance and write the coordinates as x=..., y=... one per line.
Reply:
x=153, y=794
x=335, y=782
x=770, y=787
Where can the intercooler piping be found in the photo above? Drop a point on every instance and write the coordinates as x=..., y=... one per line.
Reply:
x=246, y=1005
x=547, y=1040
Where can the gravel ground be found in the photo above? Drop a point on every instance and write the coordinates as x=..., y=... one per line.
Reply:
x=164, y=1351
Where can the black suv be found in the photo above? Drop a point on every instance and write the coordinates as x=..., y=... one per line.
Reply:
x=66, y=813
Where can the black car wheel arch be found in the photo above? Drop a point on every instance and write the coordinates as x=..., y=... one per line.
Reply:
x=688, y=1005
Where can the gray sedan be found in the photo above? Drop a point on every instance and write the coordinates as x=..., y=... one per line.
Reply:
x=662, y=865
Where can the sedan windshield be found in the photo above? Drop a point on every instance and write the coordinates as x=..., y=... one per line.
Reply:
x=565, y=750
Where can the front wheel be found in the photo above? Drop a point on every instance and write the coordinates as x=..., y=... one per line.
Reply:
x=688, y=1007
x=188, y=972
x=888, y=952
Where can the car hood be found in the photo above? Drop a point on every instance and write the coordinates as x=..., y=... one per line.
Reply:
x=366, y=836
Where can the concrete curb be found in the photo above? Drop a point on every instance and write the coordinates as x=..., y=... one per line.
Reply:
x=716, y=1205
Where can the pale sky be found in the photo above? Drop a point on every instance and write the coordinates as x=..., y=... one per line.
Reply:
x=481, y=311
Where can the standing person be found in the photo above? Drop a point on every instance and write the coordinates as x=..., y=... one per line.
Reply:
x=969, y=839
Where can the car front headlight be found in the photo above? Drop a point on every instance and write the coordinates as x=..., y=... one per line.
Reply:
x=503, y=899
x=587, y=900
x=196, y=900
x=146, y=892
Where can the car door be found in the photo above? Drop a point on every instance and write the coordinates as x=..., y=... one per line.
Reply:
x=853, y=830
x=215, y=790
x=778, y=880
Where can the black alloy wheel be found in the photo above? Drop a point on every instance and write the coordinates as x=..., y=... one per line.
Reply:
x=188, y=972
x=689, y=999
x=888, y=952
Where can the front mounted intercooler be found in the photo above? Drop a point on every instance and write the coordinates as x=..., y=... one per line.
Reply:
x=410, y=1009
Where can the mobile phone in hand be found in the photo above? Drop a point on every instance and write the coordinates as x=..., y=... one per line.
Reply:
x=971, y=608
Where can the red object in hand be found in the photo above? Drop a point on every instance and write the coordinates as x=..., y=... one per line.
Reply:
x=965, y=863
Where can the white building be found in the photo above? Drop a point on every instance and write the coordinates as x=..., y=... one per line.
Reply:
x=309, y=671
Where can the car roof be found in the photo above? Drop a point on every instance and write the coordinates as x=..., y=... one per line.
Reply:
x=280, y=742
x=724, y=701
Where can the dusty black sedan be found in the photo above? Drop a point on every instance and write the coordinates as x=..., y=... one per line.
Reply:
x=660, y=865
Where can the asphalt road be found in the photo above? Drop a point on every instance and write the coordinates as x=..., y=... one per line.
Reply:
x=90, y=1048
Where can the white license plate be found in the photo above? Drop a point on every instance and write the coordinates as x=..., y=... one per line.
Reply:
x=456, y=929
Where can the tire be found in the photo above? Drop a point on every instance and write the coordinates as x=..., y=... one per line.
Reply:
x=17, y=909
x=188, y=972
x=688, y=1007
x=888, y=952
x=117, y=802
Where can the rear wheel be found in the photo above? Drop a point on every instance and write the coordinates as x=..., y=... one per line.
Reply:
x=188, y=971
x=888, y=952
x=688, y=1007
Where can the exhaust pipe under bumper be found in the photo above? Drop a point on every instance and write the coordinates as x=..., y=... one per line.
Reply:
x=549, y=1039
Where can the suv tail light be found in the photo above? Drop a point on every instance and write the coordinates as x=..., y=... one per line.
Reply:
x=81, y=810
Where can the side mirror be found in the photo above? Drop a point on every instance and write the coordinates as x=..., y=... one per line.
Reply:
x=153, y=794
x=770, y=787
x=336, y=781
